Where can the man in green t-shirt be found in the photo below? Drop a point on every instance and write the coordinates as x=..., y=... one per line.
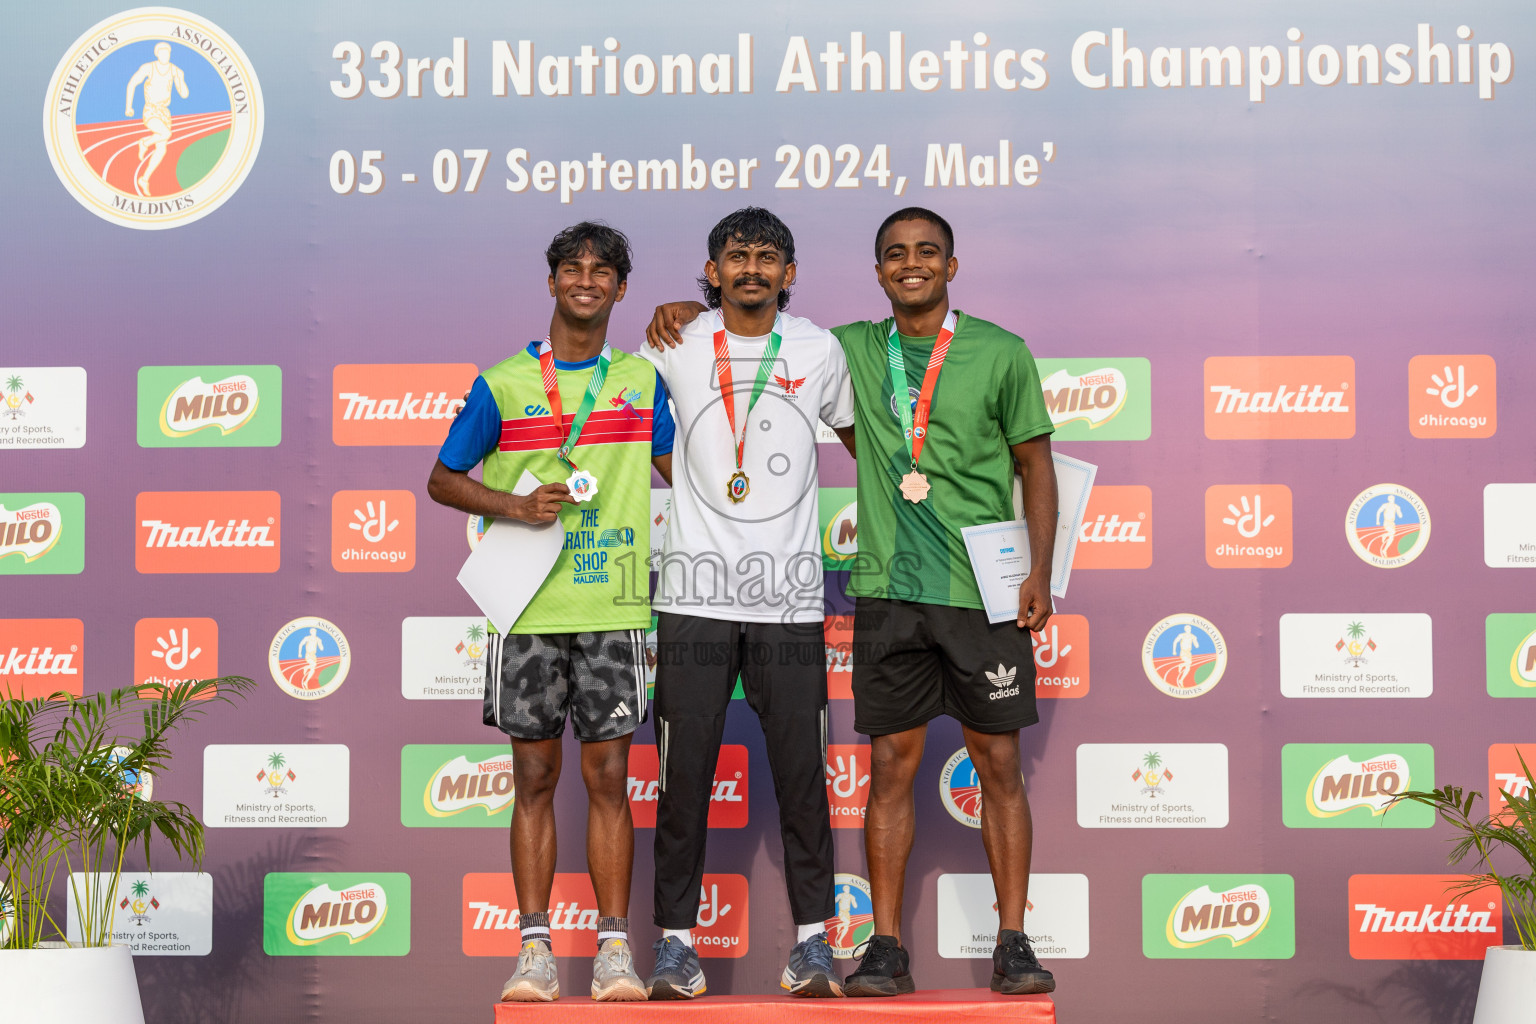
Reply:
x=947, y=406
x=587, y=423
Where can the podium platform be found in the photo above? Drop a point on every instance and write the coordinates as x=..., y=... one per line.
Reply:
x=967, y=1005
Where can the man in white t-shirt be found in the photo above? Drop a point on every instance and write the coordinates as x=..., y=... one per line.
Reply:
x=740, y=585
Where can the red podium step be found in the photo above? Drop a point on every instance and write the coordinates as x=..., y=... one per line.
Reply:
x=972, y=1006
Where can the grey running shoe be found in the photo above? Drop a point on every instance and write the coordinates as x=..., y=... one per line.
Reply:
x=677, y=974
x=883, y=971
x=613, y=974
x=1015, y=971
x=535, y=980
x=810, y=969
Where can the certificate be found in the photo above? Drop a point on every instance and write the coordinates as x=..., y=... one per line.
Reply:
x=999, y=552
x=510, y=563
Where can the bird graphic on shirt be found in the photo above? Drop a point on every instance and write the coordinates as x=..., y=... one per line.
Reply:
x=789, y=386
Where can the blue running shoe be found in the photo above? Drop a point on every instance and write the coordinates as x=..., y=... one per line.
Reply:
x=677, y=974
x=810, y=969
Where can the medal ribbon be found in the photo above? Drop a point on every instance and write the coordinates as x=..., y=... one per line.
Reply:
x=914, y=423
x=728, y=384
x=588, y=401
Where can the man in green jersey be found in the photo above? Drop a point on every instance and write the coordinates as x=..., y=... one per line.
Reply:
x=587, y=422
x=947, y=408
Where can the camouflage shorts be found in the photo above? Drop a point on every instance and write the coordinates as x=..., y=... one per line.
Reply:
x=533, y=681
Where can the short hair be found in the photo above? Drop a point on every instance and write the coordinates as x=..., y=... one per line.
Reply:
x=916, y=213
x=610, y=245
x=751, y=225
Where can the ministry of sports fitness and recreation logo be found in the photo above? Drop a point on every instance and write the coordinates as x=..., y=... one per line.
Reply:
x=1184, y=655
x=42, y=406
x=153, y=118
x=1387, y=526
x=309, y=658
x=853, y=920
x=960, y=788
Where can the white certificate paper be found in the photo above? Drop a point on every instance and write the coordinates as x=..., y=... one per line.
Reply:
x=999, y=552
x=510, y=563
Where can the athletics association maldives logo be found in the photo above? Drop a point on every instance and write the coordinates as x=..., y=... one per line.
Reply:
x=153, y=118
x=309, y=658
x=854, y=919
x=960, y=788
x=1387, y=526
x=1184, y=655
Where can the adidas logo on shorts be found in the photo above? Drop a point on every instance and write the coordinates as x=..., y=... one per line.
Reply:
x=1002, y=682
x=622, y=711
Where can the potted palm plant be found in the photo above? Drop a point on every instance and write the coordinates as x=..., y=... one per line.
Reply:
x=73, y=799
x=1507, y=991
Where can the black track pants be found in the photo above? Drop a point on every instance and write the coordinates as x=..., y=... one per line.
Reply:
x=783, y=670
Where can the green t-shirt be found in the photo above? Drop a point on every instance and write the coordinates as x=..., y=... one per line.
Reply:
x=988, y=397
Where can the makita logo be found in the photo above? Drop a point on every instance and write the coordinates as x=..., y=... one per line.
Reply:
x=430, y=406
x=1422, y=917
x=1202, y=915
x=36, y=662
x=723, y=791
x=228, y=404
x=1111, y=530
x=397, y=403
x=1279, y=397
x=208, y=531
x=1306, y=398
x=1453, y=917
x=1095, y=396
x=210, y=535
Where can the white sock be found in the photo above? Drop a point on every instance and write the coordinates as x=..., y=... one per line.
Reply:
x=685, y=936
x=808, y=931
x=536, y=933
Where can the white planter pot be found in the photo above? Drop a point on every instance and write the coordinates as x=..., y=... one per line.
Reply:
x=1507, y=993
x=43, y=986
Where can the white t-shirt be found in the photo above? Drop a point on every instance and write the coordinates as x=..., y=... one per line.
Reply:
x=760, y=560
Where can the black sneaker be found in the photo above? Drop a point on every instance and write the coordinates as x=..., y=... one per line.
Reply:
x=883, y=971
x=1015, y=971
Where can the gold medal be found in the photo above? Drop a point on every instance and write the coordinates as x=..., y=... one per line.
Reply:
x=914, y=487
x=738, y=488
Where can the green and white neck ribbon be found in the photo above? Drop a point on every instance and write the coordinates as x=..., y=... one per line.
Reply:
x=914, y=423
x=588, y=401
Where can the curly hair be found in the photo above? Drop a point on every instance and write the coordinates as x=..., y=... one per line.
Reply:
x=610, y=245
x=751, y=225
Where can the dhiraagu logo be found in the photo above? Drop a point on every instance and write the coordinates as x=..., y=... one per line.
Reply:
x=351, y=914
x=1098, y=399
x=1218, y=917
x=456, y=785
x=1511, y=654
x=210, y=406
x=1355, y=785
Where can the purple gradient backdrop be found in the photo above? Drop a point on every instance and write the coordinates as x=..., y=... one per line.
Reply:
x=1378, y=222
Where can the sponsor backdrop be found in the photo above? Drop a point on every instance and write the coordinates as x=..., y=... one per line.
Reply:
x=1273, y=263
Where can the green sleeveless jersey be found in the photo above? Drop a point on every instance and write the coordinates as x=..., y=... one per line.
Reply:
x=602, y=578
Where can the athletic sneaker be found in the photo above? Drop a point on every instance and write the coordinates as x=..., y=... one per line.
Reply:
x=810, y=969
x=677, y=975
x=535, y=980
x=885, y=970
x=1015, y=971
x=613, y=974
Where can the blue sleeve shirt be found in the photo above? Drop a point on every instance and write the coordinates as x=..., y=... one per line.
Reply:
x=476, y=431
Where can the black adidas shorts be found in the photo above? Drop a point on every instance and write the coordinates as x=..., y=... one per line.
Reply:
x=533, y=681
x=914, y=662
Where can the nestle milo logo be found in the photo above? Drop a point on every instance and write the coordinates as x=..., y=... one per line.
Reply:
x=1098, y=399
x=337, y=914
x=1355, y=785
x=456, y=785
x=1223, y=917
x=210, y=406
